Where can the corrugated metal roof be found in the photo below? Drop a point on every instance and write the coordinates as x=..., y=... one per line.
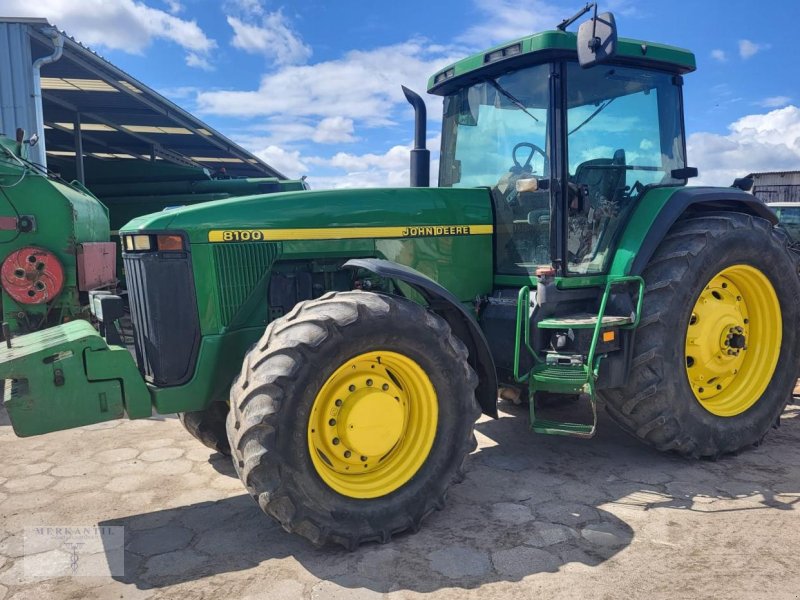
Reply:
x=780, y=173
x=120, y=115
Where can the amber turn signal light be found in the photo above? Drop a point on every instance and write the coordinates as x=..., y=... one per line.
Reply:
x=169, y=243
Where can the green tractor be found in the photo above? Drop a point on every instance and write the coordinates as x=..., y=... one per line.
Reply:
x=341, y=344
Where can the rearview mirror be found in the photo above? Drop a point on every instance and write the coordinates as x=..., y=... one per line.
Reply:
x=744, y=183
x=597, y=40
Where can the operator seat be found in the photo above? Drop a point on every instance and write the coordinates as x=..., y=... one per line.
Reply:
x=603, y=181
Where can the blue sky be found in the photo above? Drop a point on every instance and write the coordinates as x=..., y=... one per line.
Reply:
x=313, y=87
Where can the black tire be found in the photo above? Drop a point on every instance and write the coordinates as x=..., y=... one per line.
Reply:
x=658, y=405
x=208, y=426
x=272, y=398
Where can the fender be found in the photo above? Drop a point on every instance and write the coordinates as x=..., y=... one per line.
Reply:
x=658, y=211
x=447, y=306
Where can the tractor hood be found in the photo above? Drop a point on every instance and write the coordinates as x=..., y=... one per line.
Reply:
x=372, y=211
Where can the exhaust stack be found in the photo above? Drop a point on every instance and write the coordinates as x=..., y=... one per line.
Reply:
x=420, y=156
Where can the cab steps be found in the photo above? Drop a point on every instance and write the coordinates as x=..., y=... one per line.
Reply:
x=566, y=374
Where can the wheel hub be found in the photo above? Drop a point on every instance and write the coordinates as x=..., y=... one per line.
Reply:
x=737, y=309
x=715, y=337
x=736, y=340
x=370, y=422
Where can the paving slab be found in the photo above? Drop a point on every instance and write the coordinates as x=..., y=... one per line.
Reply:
x=536, y=516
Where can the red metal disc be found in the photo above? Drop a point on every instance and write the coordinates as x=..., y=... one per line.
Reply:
x=32, y=275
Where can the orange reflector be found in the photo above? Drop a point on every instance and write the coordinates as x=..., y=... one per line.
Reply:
x=545, y=272
x=608, y=336
x=169, y=242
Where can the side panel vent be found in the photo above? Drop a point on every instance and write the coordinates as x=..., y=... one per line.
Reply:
x=239, y=269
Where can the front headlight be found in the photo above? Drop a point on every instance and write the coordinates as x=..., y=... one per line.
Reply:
x=141, y=242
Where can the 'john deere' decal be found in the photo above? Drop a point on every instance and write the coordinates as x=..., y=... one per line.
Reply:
x=343, y=233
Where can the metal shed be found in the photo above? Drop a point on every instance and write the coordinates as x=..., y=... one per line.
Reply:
x=90, y=108
x=777, y=186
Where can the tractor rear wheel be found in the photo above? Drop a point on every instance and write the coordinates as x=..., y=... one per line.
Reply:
x=208, y=426
x=352, y=416
x=716, y=354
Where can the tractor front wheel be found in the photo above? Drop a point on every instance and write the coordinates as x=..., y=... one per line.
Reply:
x=208, y=426
x=716, y=353
x=352, y=416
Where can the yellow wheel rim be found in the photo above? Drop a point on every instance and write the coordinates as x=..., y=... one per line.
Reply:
x=372, y=425
x=733, y=340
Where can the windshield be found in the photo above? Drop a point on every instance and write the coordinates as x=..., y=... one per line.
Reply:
x=494, y=134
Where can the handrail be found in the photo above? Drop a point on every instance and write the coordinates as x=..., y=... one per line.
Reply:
x=604, y=301
x=523, y=323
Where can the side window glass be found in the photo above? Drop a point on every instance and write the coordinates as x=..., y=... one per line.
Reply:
x=623, y=137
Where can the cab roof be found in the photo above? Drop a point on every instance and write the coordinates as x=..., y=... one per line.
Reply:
x=551, y=45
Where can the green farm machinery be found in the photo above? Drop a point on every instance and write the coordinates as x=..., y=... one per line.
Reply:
x=58, y=239
x=341, y=344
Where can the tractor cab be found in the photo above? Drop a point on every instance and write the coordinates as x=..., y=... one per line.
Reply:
x=566, y=151
x=570, y=133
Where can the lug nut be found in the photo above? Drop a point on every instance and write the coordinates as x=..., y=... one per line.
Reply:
x=369, y=381
x=338, y=403
x=332, y=422
x=347, y=453
x=352, y=388
x=335, y=441
x=363, y=459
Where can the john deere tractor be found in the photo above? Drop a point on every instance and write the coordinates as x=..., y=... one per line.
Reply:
x=341, y=344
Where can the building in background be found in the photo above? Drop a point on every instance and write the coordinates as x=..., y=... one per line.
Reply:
x=777, y=186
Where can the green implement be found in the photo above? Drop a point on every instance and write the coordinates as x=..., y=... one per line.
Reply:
x=67, y=376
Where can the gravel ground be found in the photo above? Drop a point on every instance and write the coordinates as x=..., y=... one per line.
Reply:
x=536, y=516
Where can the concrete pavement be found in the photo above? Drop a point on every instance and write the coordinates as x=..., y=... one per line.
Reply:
x=536, y=516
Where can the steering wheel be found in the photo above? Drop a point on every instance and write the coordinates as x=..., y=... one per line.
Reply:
x=526, y=166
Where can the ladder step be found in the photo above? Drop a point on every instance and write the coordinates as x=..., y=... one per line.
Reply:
x=549, y=427
x=559, y=379
x=583, y=321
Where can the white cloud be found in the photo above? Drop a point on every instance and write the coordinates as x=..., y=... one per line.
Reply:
x=774, y=101
x=332, y=130
x=271, y=35
x=290, y=131
x=748, y=49
x=174, y=6
x=504, y=20
x=124, y=25
x=390, y=169
x=760, y=142
x=287, y=162
x=181, y=92
x=198, y=61
x=363, y=85
x=719, y=55
x=247, y=7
